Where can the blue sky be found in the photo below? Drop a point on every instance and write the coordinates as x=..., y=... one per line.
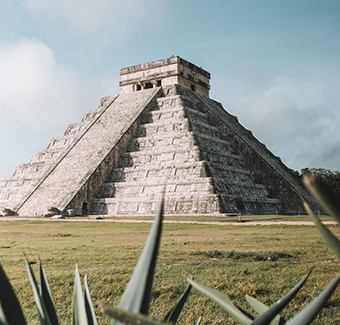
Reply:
x=274, y=64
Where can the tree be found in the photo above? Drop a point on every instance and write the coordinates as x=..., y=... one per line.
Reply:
x=331, y=177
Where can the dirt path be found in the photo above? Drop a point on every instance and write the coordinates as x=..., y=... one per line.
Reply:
x=217, y=223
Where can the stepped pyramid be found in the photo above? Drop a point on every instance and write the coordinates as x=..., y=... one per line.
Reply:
x=161, y=133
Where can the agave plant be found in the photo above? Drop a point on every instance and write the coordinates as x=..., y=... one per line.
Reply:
x=135, y=302
x=134, y=305
x=270, y=315
x=11, y=312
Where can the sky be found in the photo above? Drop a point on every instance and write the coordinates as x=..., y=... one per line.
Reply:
x=273, y=64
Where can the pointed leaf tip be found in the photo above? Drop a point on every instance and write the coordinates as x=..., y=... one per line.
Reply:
x=128, y=317
x=42, y=311
x=332, y=241
x=91, y=315
x=78, y=305
x=175, y=311
x=222, y=300
x=136, y=297
x=46, y=296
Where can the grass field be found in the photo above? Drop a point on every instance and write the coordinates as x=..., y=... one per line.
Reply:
x=262, y=261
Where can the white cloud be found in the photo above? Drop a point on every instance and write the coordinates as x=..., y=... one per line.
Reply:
x=35, y=91
x=39, y=98
x=293, y=117
x=102, y=21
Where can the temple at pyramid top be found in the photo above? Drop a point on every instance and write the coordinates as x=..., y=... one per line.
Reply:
x=171, y=71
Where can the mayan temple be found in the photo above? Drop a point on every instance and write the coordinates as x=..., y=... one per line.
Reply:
x=161, y=133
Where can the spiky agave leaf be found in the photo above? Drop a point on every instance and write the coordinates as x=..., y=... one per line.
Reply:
x=275, y=309
x=46, y=296
x=137, y=295
x=3, y=320
x=11, y=311
x=42, y=311
x=199, y=321
x=91, y=316
x=261, y=308
x=324, y=194
x=332, y=241
x=78, y=306
x=223, y=300
x=128, y=317
x=175, y=311
x=307, y=315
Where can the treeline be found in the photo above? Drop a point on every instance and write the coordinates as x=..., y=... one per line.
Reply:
x=331, y=177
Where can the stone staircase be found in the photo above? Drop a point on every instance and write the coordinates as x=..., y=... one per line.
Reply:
x=177, y=151
x=80, y=168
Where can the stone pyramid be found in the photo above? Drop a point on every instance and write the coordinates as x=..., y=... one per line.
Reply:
x=162, y=133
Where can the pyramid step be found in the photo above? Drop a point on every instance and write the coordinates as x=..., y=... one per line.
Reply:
x=173, y=114
x=206, y=204
x=30, y=170
x=169, y=102
x=173, y=156
x=219, y=170
x=182, y=170
x=148, y=187
x=8, y=184
x=161, y=127
x=75, y=128
x=249, y=204
x=237, y=188
x=177, y=100
x=221, y=158
x=186, y=185
x=213, y=143
x=158, y=143
x=227, y=182
x=162, y=158
x=184, y=204
x=199, y=127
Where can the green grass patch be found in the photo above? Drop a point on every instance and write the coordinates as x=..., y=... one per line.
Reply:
x=231, y=259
